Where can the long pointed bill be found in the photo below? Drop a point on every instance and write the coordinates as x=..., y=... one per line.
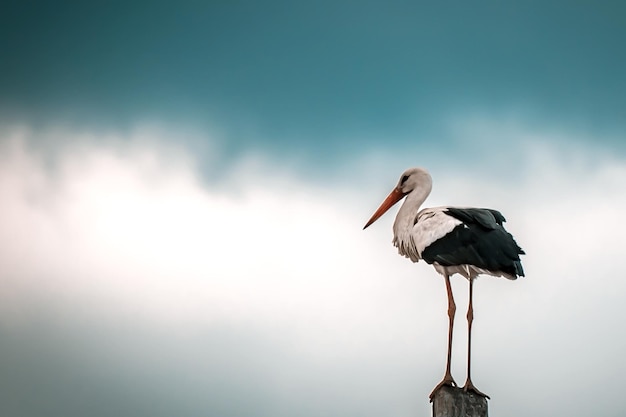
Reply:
x=393, y=197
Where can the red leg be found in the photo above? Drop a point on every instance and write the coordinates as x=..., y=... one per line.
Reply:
x=447, y=378
x=469, y=386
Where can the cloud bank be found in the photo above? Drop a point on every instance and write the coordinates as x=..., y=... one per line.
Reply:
x=129, y=285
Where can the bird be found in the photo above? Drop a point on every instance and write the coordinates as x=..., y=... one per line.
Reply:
x=455, y=240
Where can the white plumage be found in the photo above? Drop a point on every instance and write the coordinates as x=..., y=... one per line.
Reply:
x=432, y=224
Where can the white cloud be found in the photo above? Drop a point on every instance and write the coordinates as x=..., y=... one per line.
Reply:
x=124, y=230
x=131, y=232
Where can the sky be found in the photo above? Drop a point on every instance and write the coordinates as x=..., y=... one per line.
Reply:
x=183, y=188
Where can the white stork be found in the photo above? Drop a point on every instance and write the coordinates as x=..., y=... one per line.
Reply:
x=465, y=241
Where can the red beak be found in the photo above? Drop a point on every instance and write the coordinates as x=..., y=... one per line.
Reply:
x=393, y=197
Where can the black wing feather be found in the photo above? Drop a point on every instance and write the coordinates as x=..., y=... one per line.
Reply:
x=488, y=218
x=480, y=240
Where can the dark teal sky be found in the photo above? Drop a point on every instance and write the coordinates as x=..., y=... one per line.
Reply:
x=320, y=77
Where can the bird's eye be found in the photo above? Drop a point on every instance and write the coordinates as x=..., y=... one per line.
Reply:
x=404, y=178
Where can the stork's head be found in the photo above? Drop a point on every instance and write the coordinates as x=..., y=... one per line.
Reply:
x=413, y=178
x=410, y=180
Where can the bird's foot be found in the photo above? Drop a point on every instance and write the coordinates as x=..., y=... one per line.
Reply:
x=469, y=387
x=447, y=381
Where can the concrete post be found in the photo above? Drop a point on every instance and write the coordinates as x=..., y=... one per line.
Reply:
x=454, y=402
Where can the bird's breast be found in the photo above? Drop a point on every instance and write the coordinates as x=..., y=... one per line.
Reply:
x=406, y=246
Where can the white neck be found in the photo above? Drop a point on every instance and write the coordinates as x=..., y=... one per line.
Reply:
x=407, y=213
